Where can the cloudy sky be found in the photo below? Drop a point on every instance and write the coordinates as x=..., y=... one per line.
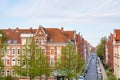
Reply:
x=92, y=18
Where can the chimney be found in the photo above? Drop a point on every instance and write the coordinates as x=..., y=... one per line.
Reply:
x=31, y=29
x=9, y=28
x=62, y=29
x=17, y=29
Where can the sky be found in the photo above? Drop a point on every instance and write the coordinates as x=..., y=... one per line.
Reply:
x=92, y=18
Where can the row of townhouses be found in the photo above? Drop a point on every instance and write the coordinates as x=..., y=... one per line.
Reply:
x=51, y=41
x=112, y=52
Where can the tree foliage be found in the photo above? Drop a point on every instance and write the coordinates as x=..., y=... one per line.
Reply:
x=71, y=62
x=34, y=62
x=3, y=40
x=101, y=47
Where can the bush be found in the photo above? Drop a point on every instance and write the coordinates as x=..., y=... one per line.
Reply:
x=112, y=77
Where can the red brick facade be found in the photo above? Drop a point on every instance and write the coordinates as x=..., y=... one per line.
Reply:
x=51, y=40
x=109, y=54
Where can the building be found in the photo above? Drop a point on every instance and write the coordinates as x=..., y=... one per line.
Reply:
x=109, y=52
x=84, y=48
x=51, y=40
x=112, y=52
x=116, y=53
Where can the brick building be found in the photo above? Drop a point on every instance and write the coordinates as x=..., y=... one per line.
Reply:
x=116, y=52
x=51, y=40
x=109, y=51
x=112, y=52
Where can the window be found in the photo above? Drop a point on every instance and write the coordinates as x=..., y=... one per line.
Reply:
x=37, y=41
x=58, y=52
x=29, y=51
x=29, y=40
x=13, y=73
x=13, y=51
x=23, y=62
x=3, y=51
x=8, y=51
x=18, y=51
x=8, y=72
x=23, y=51
x=51, y=40
x=23, y=41
x=43, y=41
x=15, y=42
x=13, y=62
x=52, y=60
x=43, y=50
x=2, y=73
x=18, y=62
x=9, y=41
x=8, y=62
x=51, y=51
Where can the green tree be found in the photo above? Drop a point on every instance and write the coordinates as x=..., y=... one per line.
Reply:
x=71, y=62
x=34, y=62
x=3, y=45
x=101, y=48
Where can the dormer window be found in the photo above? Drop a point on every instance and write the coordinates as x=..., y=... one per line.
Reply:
x=51, y=40
x=15, y=41
x=37, y=41
x=9, y=41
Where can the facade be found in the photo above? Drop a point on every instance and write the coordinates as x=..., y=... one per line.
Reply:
x=112, y=52
x=116, y=49
x=51, y=40
x=109, y=51
x=84, y=48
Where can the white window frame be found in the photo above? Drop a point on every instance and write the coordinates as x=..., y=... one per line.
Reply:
x=18, y=49
x=23, y=41
x=52, y=61
x=37, y=41
x=13, y=62
x=43, y=41
x=7, y=61
x=8, y=51
x=13, y=51
x=18, y=62
x=58, y=52
x=7, y=72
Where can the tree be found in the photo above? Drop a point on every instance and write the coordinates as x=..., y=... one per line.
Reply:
x=71, y=62
x=33, y=61
x=3, y=45
x=101, y=47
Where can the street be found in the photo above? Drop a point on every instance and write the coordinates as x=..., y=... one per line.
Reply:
x=92, y=70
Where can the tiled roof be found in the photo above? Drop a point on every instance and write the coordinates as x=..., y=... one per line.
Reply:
x=53, y=33
x=117, y=32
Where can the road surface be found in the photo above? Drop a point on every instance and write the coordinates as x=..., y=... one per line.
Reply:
x=92, y=70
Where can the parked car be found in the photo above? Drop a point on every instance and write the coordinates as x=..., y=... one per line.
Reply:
x=98, y=70
x=81, y=78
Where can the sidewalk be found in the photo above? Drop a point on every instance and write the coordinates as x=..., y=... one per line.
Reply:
x=103, y=71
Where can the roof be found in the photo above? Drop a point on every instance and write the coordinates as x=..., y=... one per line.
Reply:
x=117, y=32
x=54, y=33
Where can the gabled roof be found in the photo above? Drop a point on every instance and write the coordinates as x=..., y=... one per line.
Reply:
x=56, y=34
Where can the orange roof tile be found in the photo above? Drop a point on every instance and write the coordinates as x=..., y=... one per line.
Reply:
x=54, y=33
